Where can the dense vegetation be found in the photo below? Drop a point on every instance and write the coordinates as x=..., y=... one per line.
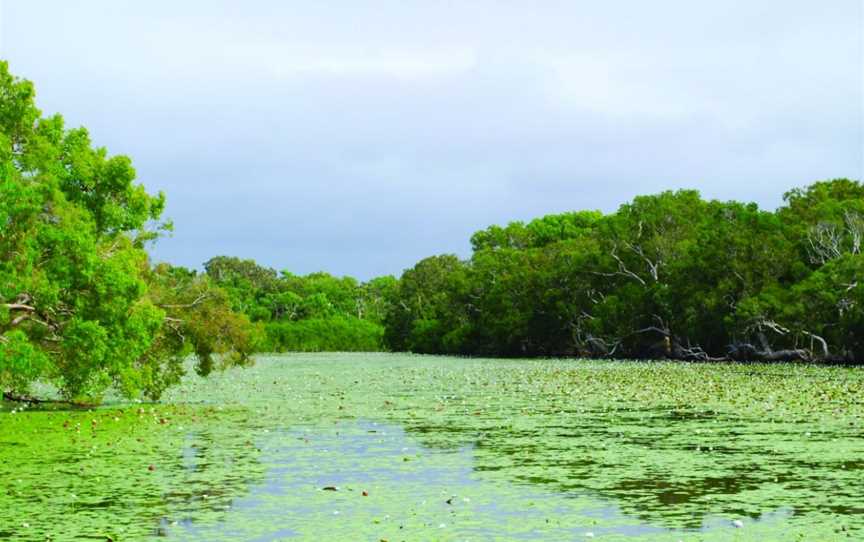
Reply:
x=667, y=276
x=670, y=275
x=313, y=313
x=80, y=304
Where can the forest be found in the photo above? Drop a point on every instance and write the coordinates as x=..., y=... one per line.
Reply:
x=670, y=275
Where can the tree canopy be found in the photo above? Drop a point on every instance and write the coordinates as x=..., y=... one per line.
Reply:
x=669, y=275
x=315, y=312
x=80, y=304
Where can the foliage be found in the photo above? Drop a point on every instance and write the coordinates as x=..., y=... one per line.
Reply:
x=538, y=233
x=328, y=334
x=429, y=314
x=668, y=275
x=312, y=313
x=79, y=303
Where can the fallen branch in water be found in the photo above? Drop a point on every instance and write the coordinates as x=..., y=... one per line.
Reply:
x=15, y=398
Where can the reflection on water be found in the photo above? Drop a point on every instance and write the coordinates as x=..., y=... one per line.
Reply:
x=384, y=485
x=421, y=448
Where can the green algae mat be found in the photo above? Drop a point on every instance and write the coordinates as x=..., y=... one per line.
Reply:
x=397, y=447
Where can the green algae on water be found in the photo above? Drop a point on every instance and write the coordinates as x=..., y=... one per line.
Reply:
x=435, y=448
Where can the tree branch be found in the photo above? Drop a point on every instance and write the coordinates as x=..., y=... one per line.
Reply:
x=197, y=301
x=622, y=270
x=18, y=307
x=820, y=340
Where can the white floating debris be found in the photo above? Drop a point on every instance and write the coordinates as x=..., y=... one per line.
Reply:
x=738, y=523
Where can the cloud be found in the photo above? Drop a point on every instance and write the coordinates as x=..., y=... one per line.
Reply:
x=359, y=137
x=403, y=65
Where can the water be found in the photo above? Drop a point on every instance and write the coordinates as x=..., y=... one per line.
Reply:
x=394, y=447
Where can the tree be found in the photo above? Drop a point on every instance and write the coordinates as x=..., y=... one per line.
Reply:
x=669, y=275
x=198, y=320
x=825, y=219
x=75, y=303
x=427, y=314
x=252, y=289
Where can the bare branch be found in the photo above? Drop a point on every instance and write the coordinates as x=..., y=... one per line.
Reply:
x=28, y=316
x=774, y=326
x=656, y=329
x=826, y=241
x=820, y=340
x=18, y=307
x=622, y=270
x=197, y=301
x=855, y=228
x=653, y=267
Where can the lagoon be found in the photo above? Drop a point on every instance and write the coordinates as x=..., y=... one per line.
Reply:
x=403, y=447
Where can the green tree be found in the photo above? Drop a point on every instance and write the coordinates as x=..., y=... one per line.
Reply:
x=428, y=312
x=74, y=303
x=667, y=275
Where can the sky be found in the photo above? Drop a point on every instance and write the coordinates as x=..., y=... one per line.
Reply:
x=359, y=137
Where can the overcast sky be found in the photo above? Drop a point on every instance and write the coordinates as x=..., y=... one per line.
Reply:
x=358, y=137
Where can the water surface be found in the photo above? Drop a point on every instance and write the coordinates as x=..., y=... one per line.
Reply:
x=395, y=447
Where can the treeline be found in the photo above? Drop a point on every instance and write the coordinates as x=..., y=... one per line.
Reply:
x=666, y=276
x=670, y=275
x=312, y=313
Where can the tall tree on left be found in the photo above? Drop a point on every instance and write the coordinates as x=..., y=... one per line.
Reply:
x=80, y=305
